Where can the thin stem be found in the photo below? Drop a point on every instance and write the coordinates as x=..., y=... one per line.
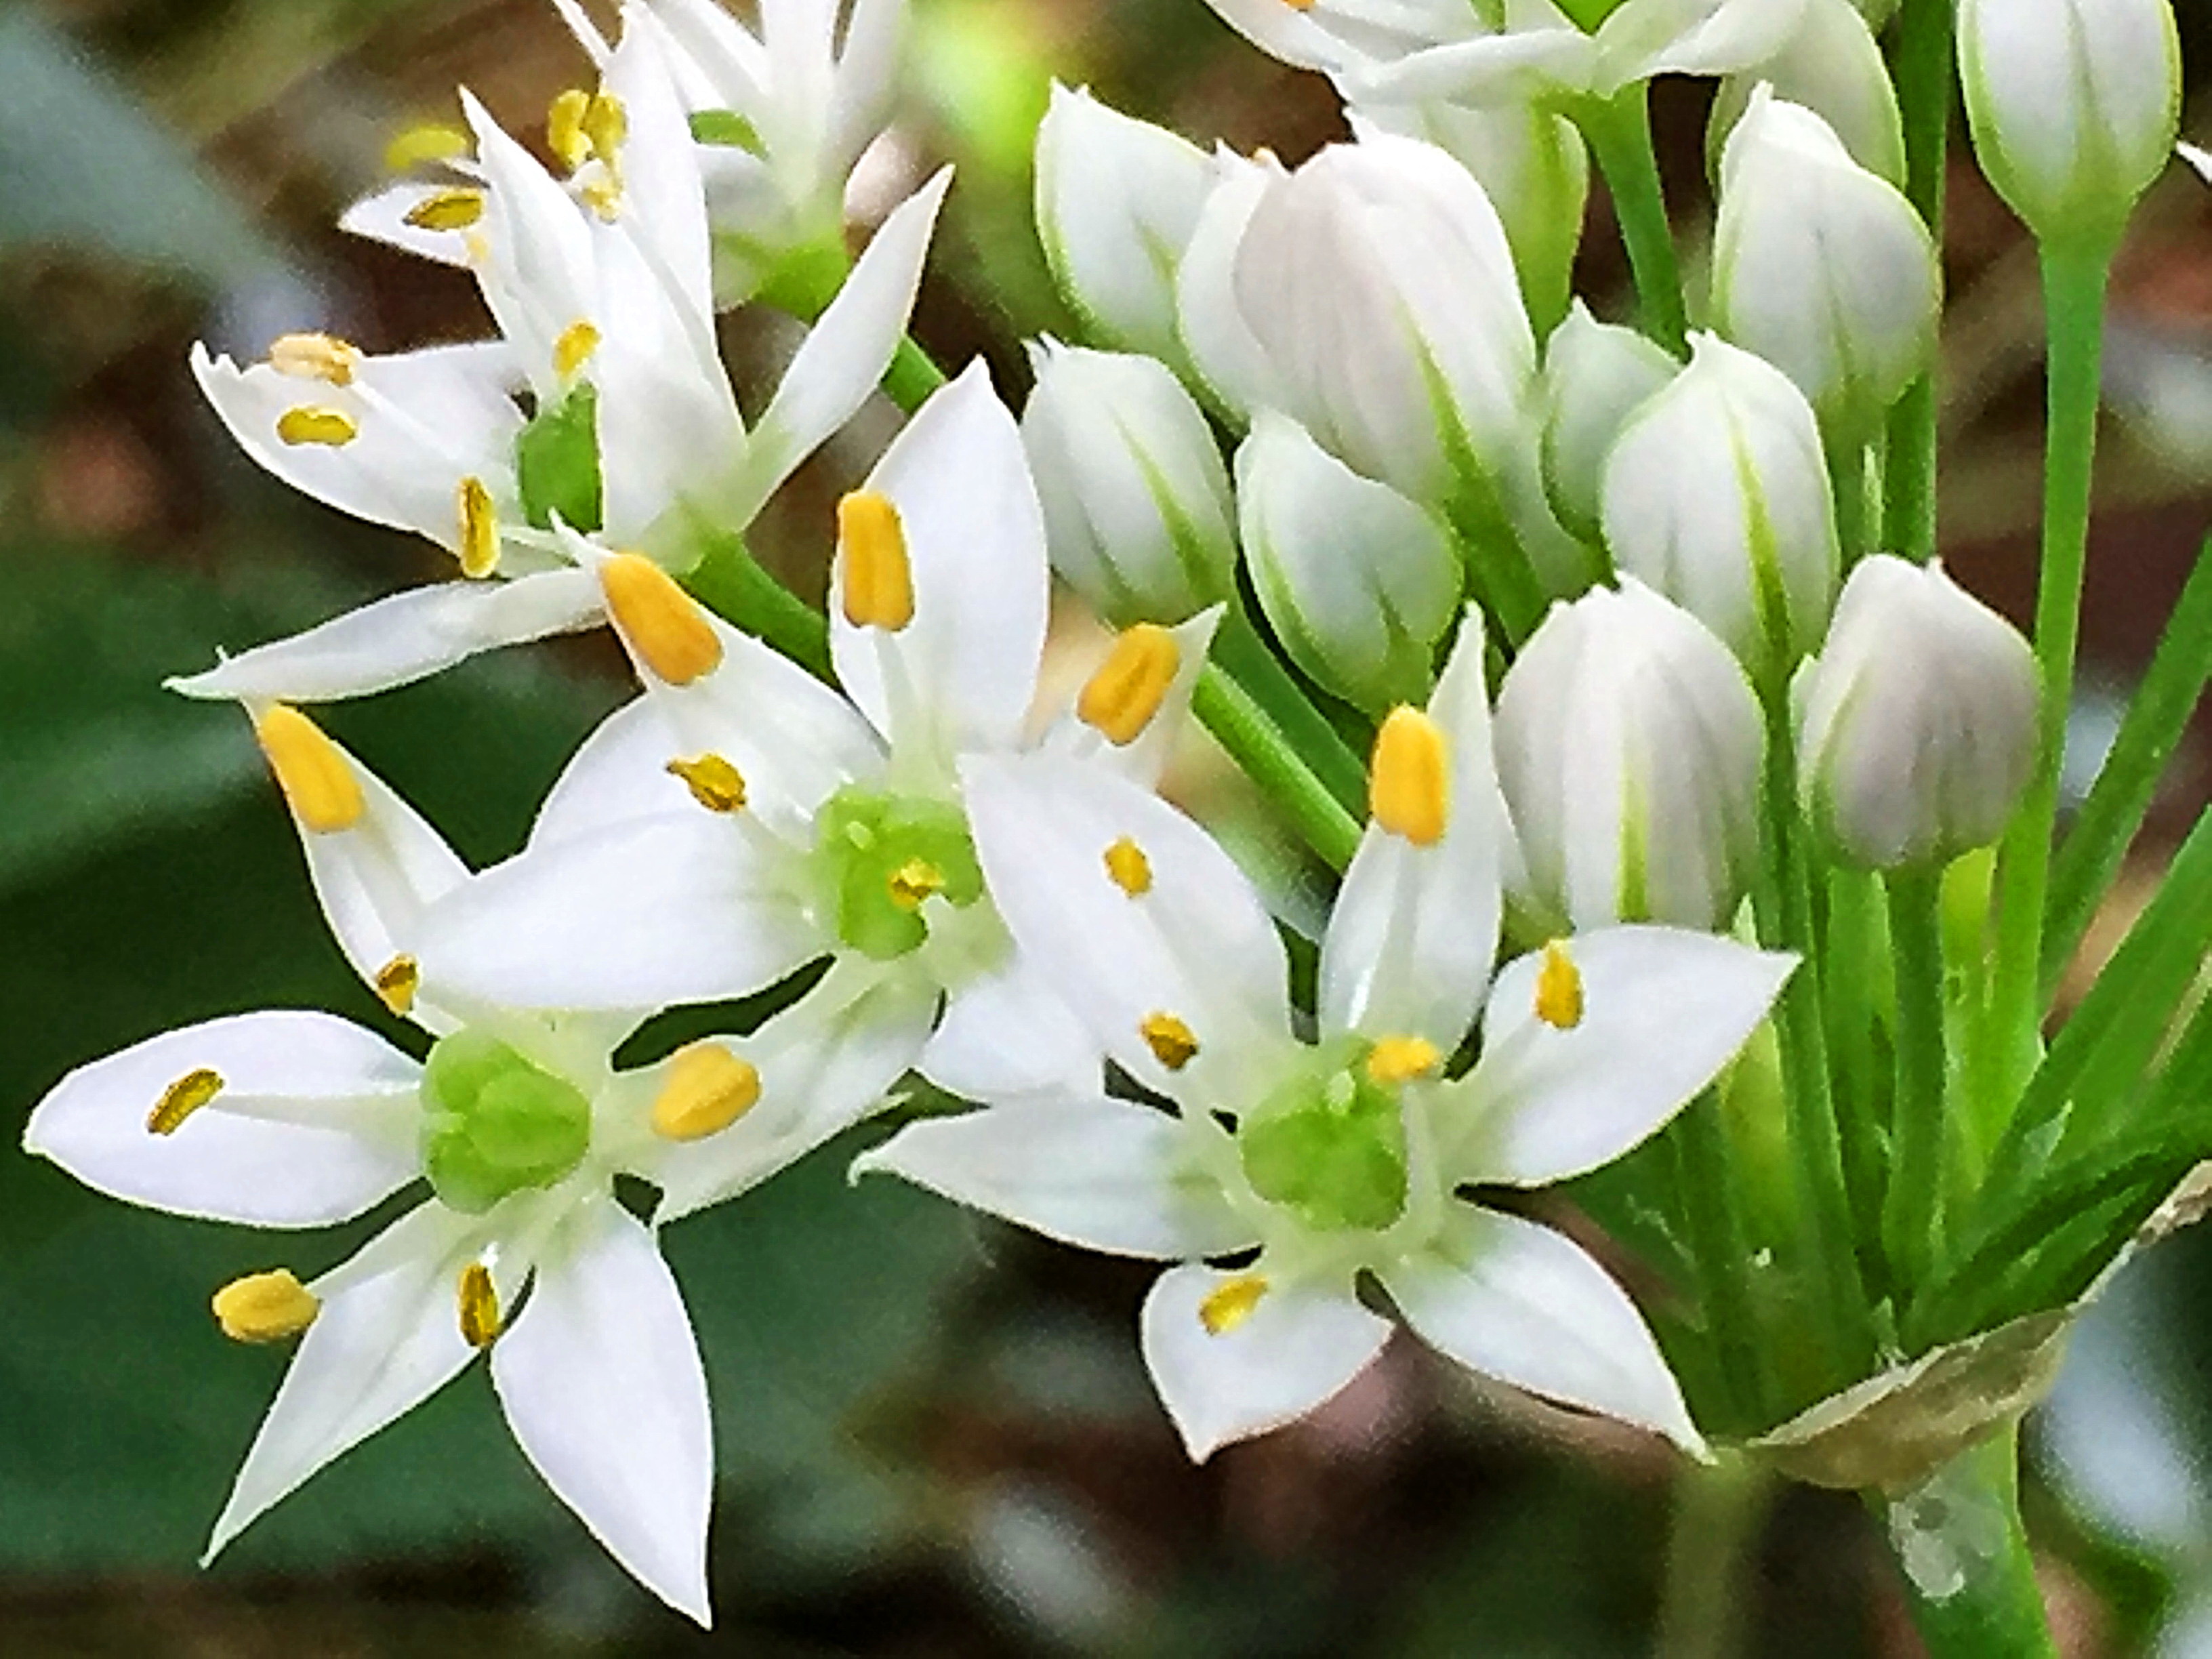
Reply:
x=1245, y=657
x=1922, y=59
x=1258, y=745
x=1850, y=977
x=1962, y=1552
x=1720, y=1510
x=1847, y=485
x=1619, y=133
x=913, y=375
x=1912, y=1215
x=738, y=587
x=1720, y=1244
x=2075, y=279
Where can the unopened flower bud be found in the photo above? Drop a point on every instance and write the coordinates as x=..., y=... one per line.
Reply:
x=2075, y=105
x=1822, y=267
x=1629, y=748
x=1918, y=731
x=1116, y=200
x=1716, y=494
x=1136, y=500
x=1595, y=376
x=1359, y=582
x=1833, y=66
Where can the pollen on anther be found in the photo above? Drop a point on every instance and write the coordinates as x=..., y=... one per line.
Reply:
x=477, y=1302
x=915, y=881
x=714, y=782
x=878, y=585
x=708, y=1089
x=424, y=142
x=1558, y=988
x=322, y=357
x=396, y=981
x=264, y=1307
x=564, y=128
x=182, y=1099
x=317, y=424
x=1230, y=1303
x=446, y=210
x=1409, y=787
x=606, y=125
x=1122, y=698
x=1395, y=1059
x=1128, y=867
x=574, y=348
x=1173, y=1044
x=663, y=624
x=479, y=544
x=316, y=779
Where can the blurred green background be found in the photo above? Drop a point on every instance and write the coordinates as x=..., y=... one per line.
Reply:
x=934, y=1434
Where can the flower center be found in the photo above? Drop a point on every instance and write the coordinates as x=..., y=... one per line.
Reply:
x=1330, y=1145
x=880, y=858
x=496, y=1123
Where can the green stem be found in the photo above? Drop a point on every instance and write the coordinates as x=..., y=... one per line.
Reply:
x=1922, y=59
x=2075, y=279
x=1720, y=1244
x=1258, y=673
x=729, y=581
x=1620, y=134
x=1913, y=1213
x=1847, y=485
x=1962, y=1552
x=913, y=375
x=1258, y=745
x=1851, y=975
x=1720, y=1509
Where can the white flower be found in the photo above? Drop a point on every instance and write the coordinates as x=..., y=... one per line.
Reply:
x=1595, y=376
x=1343, y=1156
x=607, y=323
x=519, y=1124
x=1918, y=727
x=743, y=818
x=1833, y=65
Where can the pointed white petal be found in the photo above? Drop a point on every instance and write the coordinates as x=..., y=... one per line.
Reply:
x=1099, y=1174
x=1008, y=1034
x=1415, y=928
x=539, y=274
x=619, y=772
x=1146, y=759
x=1518, y=67
x=1521, y=1303
x=1664, y=1010
x=402, y=639
x=1197, y=944
x=1298, y=1348
x=600, y=1379
x=381, y=216
x=867, y=78
x=314, y=1123
x=1648, y=38
x=665, y=208
x=388, y=1337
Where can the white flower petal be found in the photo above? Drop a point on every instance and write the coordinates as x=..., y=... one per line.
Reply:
x=1223, y=349
x=1007, y=1034
x=381, y=216
x=314, y=1123
x=619, y=772
x=1297, y=1348
x=387, y=1338
x=1664, y=1010
x=1647, y=38
x=539, y=274
x=1145, y=760
x=665, y=208
x=1520, y=1302
x=402, y=639
x=974, y=537
x=601, y=1381
x=1515, y=68
x=1099, y=1174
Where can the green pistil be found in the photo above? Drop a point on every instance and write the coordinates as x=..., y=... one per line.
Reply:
x=1330, y=1146
x=880, y=858
x=496, y=1123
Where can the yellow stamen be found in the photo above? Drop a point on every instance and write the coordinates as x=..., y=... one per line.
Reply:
x=1128, y=867
x=181, y=1099
x=662, y=622
x=879, y=584
x=264, y=1307
x=603, y=198
x=714, y=783
x=574, y=348
x=446, y=210
x=479, y=550
x=1120, y=699
x=311, y=424
x=316, y=778
x=1172, y=1042
x=708, y=1089
x=1395, y=1059
x=396, y=981
x=1299, y=5
x=914, y=881
x=564, y=128
x=605, y=123
x=315, y=357
x=1558, y=989
x=479, y=1306
x=1409, y=791
x=1230, y=1303
x=424, y=142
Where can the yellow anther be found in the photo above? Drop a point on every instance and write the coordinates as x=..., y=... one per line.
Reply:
x=396, y=981
x=424, y=142
x=1299, y=5
x=1120, y=699
x=564, y=128
x=479, y=1306
x=1172, y=1042
x=714, y=782
x=1395, y=1059
x=708, y=1089
x=316, y=778
x=1558, y=989
x=1409, y=791
x=603, y=198
x=574, y=348
x=479, y=549
x=606, y=124
x=315, y=357
x=1230, y=1303
x=181, y=1099
x=446, y=210
x=662, y=622
x=311, y=424
x=915, y=881
x=264, y=1307
x=878, y=576
x=1130, y=869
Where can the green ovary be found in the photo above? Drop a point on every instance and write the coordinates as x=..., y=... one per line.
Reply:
x=1330, y=1146
x=494, y=1123
x=878, y=859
